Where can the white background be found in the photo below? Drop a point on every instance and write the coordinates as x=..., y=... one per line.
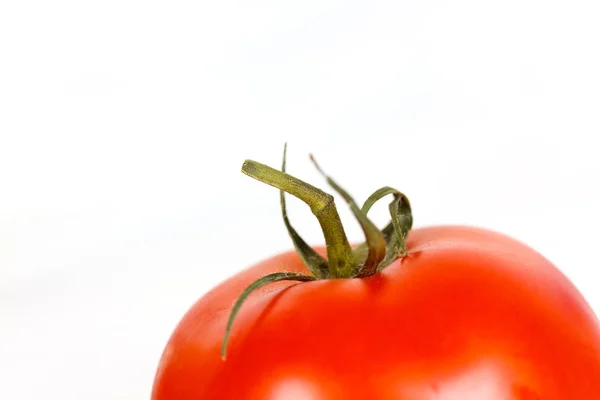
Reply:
x=123, y=125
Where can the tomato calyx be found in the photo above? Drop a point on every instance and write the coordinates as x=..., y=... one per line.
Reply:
x=381, y=247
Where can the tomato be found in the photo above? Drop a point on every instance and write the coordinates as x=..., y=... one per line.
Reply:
x=468, y=314
x=465, y=314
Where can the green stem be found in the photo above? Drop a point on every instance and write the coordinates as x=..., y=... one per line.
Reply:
x=322, y=205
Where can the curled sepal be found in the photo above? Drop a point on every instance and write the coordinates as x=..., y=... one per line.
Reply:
x=316, y=264
x=265, y=280
x=396, y=231
x=375, y=241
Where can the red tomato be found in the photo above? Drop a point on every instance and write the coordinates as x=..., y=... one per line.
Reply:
x=467, y=314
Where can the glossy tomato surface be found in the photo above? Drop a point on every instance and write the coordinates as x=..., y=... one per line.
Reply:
x=468, y=315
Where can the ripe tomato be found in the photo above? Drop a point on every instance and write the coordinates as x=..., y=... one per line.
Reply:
x=468, y=314
x=452, y=313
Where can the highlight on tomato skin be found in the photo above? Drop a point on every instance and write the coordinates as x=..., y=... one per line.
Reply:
x=431, y=313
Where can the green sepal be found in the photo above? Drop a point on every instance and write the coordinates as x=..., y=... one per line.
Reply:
x=374, y=239
x=317, y=265
x=265, y=280
x=396, y=231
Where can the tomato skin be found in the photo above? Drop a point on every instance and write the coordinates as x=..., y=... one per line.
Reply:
x=469, y=314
